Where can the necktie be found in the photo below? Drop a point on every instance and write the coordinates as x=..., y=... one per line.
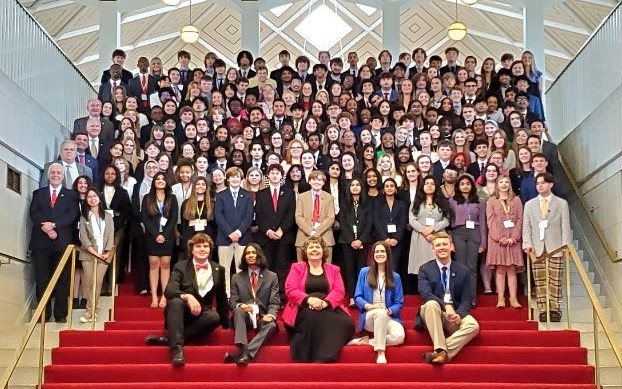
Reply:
x=321, y=86
x=198, y=266
x=470, y=101
x=544, y=208
x=481, y=168
x=68, y=178
x=53, y=201
x=275, y=198
x=81, y=159
x=94, y=148
x=386, y=96
x=221, y=166
x=235, y=198
x=278, y=123
x=254, y=280
x=444, y=277
x=316, y=209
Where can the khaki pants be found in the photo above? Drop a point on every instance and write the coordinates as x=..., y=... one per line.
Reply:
x=554, y=283
x=437, y=324
x=226, y=255
x=87, y=266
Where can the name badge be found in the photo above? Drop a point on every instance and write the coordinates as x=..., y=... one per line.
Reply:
x=543, y=223
x=391, y=228
x=354, y=230
x=163, y=221
x=316, y=225
x=429, y=221
x=508, y=224
x=143, y=97
x=199, y=225
x=470, y=224
x=447, y=298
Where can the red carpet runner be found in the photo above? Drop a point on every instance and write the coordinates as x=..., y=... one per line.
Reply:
x=509, y=353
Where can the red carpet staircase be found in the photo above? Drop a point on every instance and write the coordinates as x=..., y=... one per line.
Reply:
x=510, y=352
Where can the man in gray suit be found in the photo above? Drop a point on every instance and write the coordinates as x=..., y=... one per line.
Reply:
x=546, y=227
x=254, y=301
x=94, y=108
x=71, y=169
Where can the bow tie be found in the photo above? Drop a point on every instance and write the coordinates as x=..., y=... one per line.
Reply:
x=198, y=267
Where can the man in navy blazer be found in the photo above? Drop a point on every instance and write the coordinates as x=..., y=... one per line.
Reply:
x=447, y=296
x=234, y=216
x=54, y=213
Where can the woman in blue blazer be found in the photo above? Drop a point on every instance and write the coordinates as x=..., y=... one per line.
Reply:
x=380, y=298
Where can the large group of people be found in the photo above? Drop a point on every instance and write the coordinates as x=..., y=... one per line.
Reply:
x=310, y=190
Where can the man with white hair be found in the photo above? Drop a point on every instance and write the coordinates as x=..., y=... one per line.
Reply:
x=54, y=213
x=94, y=109
x=71, y=169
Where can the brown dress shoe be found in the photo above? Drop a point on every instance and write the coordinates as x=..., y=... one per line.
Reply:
x=441, y=358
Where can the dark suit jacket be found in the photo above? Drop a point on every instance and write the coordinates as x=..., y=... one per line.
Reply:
x=431, y=288
x=65, y=214
x=267, y=219
x=184, y=281
x=105, y=91
x=121, y=207
x=134, y=88
x=79, y=127
x=92, y=164
x=231, y=217
x=437, y=171
x=267, y=293
x=82, y=170
x=327, y=84
x=152, y=222
x=362, y=221
x=445, y=69
x=398, y=215
x=474, y=169
x=126, y=76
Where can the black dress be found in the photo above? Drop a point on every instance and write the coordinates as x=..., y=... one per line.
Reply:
x=319, y=336
x=153, y=229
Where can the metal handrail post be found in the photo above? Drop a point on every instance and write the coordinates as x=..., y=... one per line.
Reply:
x=71, y=286
x=596, y=347
x=41, y=350
x=114, y=283
x=567, y=258
x=94, y=293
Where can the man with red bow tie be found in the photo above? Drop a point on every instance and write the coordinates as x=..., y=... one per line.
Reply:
x=190, y=295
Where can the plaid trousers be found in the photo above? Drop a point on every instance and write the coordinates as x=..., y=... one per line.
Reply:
x=554, y=283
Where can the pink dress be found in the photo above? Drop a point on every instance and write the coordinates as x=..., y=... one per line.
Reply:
x=498, y=214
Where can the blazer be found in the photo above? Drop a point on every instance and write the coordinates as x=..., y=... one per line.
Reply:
x=382, y=217
x=230, y=218
x=65, y=214
x=393, y=95
x=135, y=89
x=431, y=288
x=87, y=239
x=437, y=172
x=92, y=164
x=82, y=171
x=296, y=294
x=120, y=205
x=557, y=233
x=126, y=76
x=445, y=69
x=105, y=90
x=304, y=215
x=184, y=281
x=362, y=221
x=267, y=219
x=152, y=222
x=364, y=294
x=79, y=127
x=266, y=295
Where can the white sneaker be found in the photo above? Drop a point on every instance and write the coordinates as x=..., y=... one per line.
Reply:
x=381, y=359
x=86, y=318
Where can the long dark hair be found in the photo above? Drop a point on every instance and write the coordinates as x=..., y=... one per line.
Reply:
x=152, y=200
x=100, y=208
x=348, y=201
x=472, y=198
x=372, y=275
x=437, y=198
x=262, y=262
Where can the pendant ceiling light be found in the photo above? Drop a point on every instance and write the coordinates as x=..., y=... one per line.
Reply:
x=171, y=2
x=189, y=33
x=456, y=30
x=469, y=2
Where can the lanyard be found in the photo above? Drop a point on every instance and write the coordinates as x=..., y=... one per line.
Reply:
x=200, y=210
x=506, y=207
x=381, y=287
x=98, y=221
x=184, y=193
x=468, y=211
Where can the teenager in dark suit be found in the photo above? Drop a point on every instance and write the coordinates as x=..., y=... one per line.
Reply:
x=54, y=212
x=254, y=301
x=390, y=216
x=191, y=291
x=143, y=85
x=233, y=213
x=107, y=89
x=276, y=222
x=118, y=58
x=447, y=296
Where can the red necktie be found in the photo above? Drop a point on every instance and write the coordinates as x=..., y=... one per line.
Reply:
x=143, y=85
x=316, y=209
x=53, y=202
x=274, y=199
x=198, y=266
x=254, y=280
x=81, y=159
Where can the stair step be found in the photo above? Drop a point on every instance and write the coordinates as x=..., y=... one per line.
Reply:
x=323, y=384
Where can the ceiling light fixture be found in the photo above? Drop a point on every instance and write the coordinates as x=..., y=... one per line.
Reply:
x=189, y=33
x=171, y=2
x=456, y=30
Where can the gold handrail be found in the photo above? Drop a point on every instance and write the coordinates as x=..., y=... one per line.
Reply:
x=38, y=316
x=598, y=315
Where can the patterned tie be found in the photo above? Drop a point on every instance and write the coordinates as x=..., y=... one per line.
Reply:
x=444, y=277
x=68, y=178
x=235, y=198
x=544, y=208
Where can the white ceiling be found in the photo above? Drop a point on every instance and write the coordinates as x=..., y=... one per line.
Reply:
x=150, y=28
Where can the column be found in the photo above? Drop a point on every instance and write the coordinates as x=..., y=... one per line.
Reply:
x=250, y=26
x=533, y=30
x=391, y=27
x=109, y=32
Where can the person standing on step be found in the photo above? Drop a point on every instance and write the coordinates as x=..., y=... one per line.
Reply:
x=546, y=227
x=190, y=293
x=254, y=301
x=446, y=291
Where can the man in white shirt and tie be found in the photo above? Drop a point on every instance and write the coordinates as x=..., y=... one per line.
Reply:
x=71, y=169
x=256, y=153
x=189, y=310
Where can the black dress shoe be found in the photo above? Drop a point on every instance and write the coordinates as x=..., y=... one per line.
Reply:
x=177, y=356
x=542, y=317
x=429, y=356
x=61, y=320
x=156, y=340
x=244, y=360
x=230, y=358
x=556, y=317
